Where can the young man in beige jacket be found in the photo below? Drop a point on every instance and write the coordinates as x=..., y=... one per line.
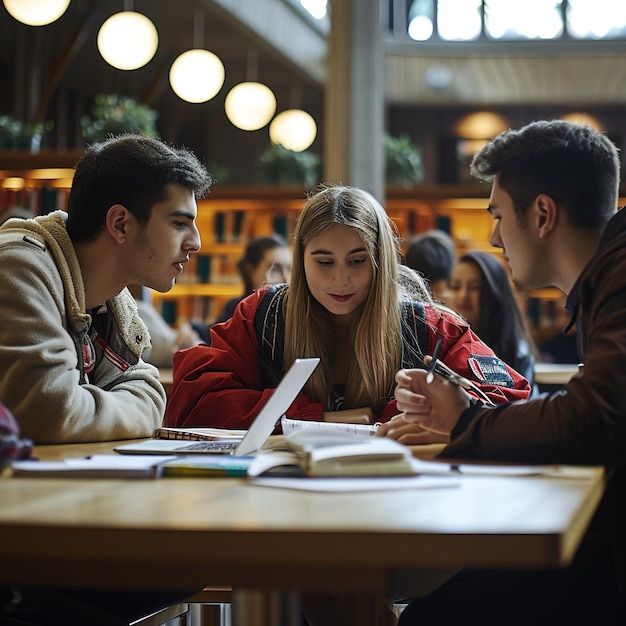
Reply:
x=71, y=339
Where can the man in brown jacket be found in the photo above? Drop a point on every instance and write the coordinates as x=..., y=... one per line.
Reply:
x=554, y=198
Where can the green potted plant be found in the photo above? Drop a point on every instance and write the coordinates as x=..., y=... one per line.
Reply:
x=16, y=135
x=113, y=114
x=280, y=166
x=403, y=162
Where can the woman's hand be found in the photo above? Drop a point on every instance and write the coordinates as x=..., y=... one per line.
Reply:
x=350, y=416
x=408, y=433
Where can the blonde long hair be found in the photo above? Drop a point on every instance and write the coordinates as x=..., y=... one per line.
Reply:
x=377, y=334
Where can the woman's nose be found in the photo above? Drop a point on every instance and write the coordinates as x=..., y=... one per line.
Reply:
x=463, y=294
x=341, y=277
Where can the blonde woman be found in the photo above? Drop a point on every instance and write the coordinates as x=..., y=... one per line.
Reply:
x=350, y=303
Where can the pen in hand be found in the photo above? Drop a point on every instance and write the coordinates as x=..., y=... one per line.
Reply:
x=430, y=376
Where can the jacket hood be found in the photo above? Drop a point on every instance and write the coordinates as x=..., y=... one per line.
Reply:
x=51, y=230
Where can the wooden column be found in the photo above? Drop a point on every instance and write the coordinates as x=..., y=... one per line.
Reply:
x=355, y=97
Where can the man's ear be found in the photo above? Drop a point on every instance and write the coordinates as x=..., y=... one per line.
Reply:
x=117, y=222
x=546, y=214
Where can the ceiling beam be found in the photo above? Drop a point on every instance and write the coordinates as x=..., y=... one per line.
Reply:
x=286, y=29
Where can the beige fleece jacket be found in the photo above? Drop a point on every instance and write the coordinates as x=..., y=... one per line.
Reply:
x=43, y=338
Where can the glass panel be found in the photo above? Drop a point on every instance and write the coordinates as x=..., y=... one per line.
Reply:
x=317, y=8
x=523, y=19
x=596, y=19
x=459, y=20
x=421, y=20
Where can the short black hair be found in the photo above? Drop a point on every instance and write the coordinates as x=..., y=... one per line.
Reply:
x=131, y=170
x=572, y=163
x=433, y=254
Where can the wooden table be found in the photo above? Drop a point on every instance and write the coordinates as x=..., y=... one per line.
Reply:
x=189, y=533
x=554, y=373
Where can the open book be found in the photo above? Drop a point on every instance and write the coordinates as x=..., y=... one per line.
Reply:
x=318, y=452
x=290, y=426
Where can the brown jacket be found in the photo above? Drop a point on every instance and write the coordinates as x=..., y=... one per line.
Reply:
x=585, y=423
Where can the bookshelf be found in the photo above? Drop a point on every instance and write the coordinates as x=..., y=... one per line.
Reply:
x=230, y=216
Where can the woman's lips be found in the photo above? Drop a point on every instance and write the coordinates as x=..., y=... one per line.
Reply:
x=341, y=298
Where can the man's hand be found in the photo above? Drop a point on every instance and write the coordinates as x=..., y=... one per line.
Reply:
x=408, y=433
x=435, y=407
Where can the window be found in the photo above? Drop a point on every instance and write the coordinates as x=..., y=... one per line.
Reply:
x=523, y=19
x=596, y=19
x=513, y=20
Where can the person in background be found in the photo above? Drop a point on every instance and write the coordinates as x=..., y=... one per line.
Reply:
x=433, y=254
x=561, y=348
x=71, y=339
x=554, y=198
x=350, y=303
x=15, y=211
x=480, y=290
x=164, y=340
x=266, y=260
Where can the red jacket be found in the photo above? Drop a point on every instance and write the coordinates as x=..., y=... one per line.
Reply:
x=221, y=385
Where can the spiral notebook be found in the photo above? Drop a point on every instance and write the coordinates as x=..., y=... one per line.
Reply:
x=258, y=433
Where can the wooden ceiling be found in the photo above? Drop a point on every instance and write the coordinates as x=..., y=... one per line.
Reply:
x=36, y=62
x=54, y=71
x=290, y=53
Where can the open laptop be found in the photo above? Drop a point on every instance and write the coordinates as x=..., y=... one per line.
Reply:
x=258, y=433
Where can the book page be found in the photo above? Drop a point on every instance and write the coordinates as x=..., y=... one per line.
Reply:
x=290, y=426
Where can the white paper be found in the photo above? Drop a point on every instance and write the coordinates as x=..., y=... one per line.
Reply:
x=490, y=469
x=341, y=485
x=99, y=465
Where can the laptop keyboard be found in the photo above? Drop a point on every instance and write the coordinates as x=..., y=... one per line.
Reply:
x=211, y=446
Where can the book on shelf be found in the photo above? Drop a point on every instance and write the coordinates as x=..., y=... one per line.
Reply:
x=203, y=267
x=230, y=226
x=199, y=434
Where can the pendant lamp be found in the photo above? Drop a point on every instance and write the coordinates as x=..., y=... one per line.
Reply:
x=294, y=129
x=197, y=75
x=250, y=105
x=36, y=12
x=128, y=40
